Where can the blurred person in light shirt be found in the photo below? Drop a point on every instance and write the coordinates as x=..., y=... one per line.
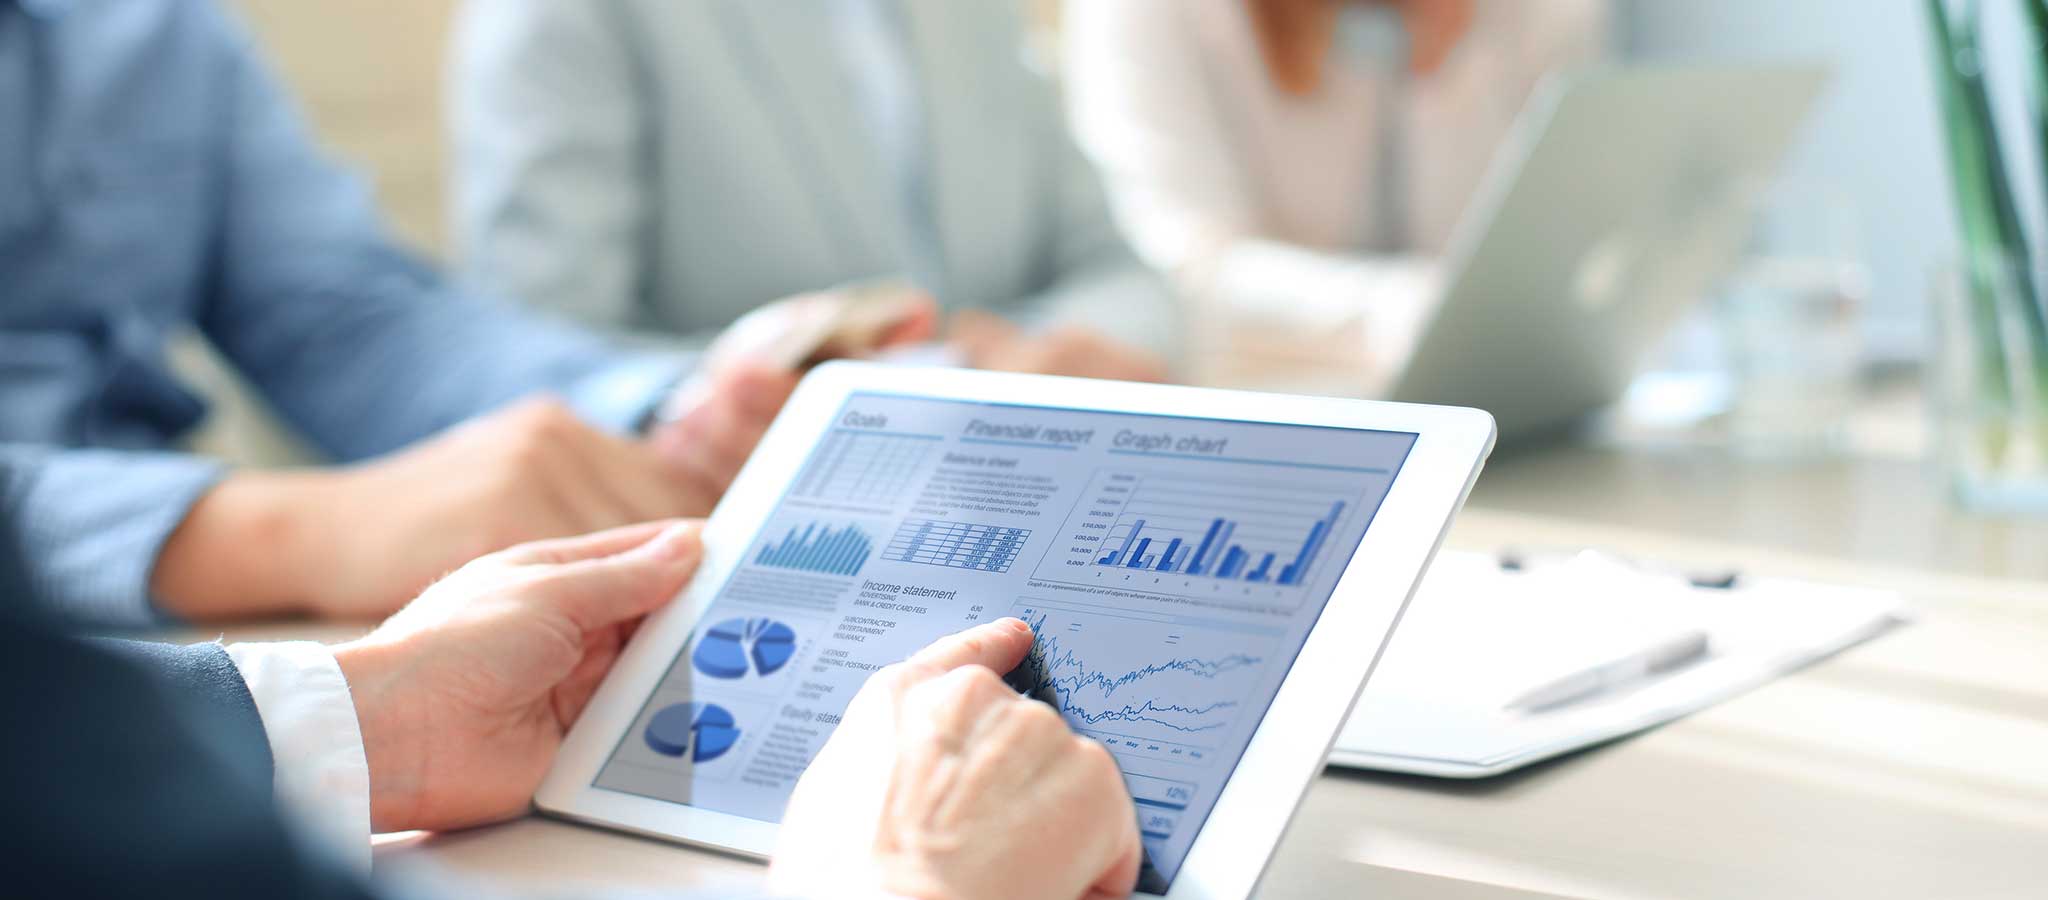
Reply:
x=665, y=168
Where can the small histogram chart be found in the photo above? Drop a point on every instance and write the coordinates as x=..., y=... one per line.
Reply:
x=863, y=467
x=957, y=545
x=1252, y=533
x=817, y=547
x=1175, y=688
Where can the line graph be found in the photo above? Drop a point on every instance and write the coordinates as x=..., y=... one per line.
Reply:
x=1090, y=696
x=1179, y=684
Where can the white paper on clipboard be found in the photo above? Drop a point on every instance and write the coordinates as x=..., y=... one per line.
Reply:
x=1475, y=635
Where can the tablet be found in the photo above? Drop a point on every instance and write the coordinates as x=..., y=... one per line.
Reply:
x=1211, y=575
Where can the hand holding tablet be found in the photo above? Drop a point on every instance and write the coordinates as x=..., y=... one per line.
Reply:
x=1209, y=576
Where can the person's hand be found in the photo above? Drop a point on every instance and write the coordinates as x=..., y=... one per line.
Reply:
x=988, y=793
x=465, y=694
x=713, y=423
x=709, y=426
x=357, y=542
x=989, y=342
x=848, y=322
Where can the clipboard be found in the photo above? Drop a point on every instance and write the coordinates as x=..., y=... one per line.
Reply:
x=1438, y=705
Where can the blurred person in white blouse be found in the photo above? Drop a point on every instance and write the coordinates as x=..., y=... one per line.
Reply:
x=1300, y=164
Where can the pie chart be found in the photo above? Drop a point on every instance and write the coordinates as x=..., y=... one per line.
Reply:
x=703, y=730
x=734, y=647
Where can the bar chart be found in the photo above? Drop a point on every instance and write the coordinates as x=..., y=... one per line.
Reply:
x=818, y=547
x=1252, y=533
x=1219, y=554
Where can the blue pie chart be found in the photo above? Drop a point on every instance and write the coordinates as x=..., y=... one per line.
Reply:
x=703, y=730
x=734, y=647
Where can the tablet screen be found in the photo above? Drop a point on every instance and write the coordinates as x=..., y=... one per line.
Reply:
x=1171, y=567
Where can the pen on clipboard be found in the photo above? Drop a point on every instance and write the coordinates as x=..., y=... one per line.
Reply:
x=1625, y=671
x=1725, y=579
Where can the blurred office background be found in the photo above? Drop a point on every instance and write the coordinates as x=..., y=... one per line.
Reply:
x=1869, y=167
x=1873, y=139
x=1872, y=144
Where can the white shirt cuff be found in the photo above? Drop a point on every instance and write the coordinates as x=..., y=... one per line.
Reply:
x=323, y=778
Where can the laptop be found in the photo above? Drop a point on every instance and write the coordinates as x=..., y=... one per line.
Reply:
x=1620, y=196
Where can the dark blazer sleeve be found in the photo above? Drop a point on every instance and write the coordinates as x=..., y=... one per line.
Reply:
x=203, y=676
x=117, y=786
x=122, y=783
x=135, y=770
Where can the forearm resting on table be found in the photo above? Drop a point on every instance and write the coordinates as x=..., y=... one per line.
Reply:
x=245, y=549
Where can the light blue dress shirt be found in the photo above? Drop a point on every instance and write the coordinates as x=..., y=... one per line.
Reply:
x=153, y=179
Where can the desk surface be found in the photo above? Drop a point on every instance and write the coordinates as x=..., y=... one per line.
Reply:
x=1916, y=765
x=1879, y=511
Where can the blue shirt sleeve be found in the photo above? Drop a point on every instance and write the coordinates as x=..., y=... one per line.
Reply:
x=91, y=523
x=359, y=345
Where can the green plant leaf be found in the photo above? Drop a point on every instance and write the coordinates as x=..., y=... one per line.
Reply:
x=1964, y=139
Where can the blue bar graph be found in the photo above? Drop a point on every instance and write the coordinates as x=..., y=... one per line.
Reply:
x=1259, y=574
x=1316, y=535
x=1293, y=569
x=1202, y=552
x=1124, y=552
x=1223, y=536
x=1137, y=557
x=1232, y=561
x=1219, y=555
x=1166, y=559
x=818, y=548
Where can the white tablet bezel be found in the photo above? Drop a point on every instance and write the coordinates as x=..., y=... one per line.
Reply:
x=1288, y=748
